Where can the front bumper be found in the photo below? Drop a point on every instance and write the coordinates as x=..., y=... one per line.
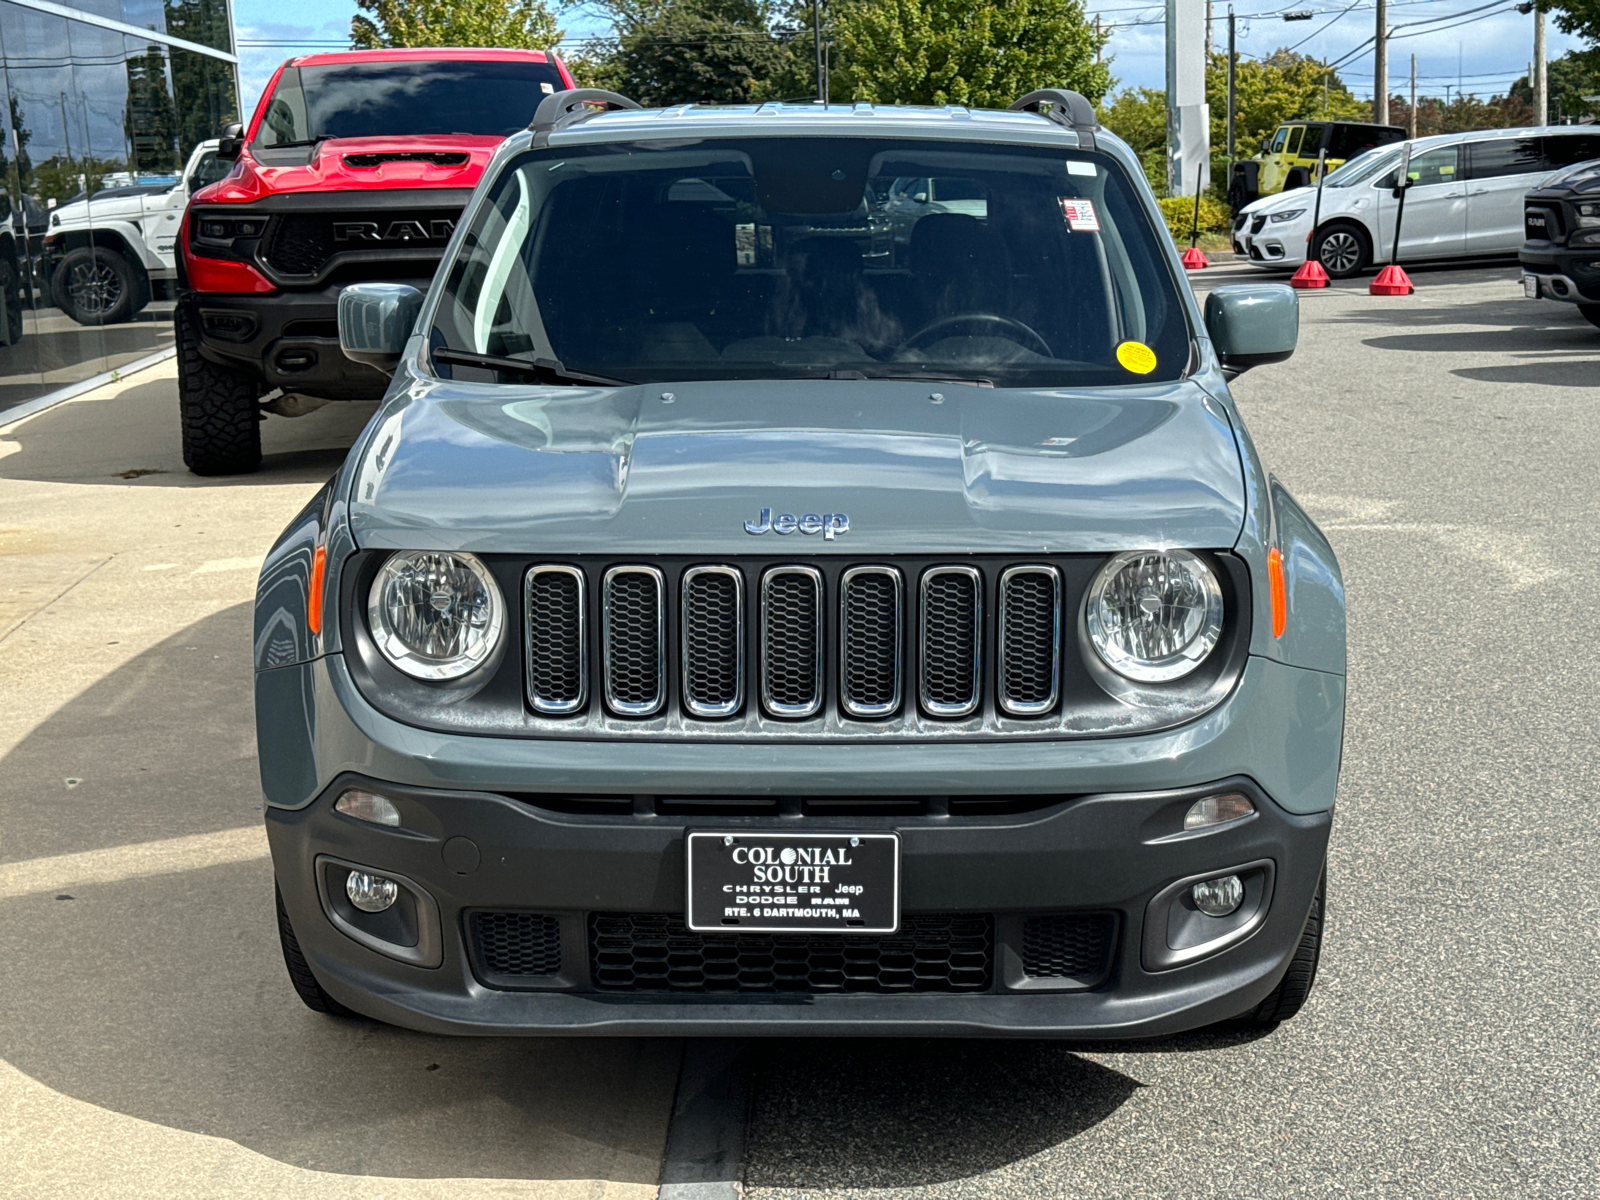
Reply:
x=1273, y=246
x=1103, y=844
x=289, y=338
x=1559, y=273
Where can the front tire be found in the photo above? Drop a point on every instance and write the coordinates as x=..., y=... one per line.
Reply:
x=305, y=983
x=217, y=407
x=1343, y=250
x=1591, y=313
x=1289, y=996
x=95, y=286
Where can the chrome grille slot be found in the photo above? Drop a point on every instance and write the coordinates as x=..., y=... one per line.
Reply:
x=952, y=641
x=712, y=621
x=556, y=639
x=870, y=641
x=791, y=641
x=1029, y=640
x=633, y=640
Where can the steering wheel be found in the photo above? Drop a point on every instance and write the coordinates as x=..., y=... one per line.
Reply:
x=1030, y=339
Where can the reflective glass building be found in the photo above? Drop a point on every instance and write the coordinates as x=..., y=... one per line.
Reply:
x=109, y=106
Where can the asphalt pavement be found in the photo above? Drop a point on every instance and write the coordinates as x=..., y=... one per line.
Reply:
x=1449, y=442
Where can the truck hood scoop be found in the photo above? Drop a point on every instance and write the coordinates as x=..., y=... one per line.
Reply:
x=681, y=468
x=436, y=158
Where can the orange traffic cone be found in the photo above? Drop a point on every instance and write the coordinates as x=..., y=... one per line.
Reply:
x=1194, y=259
x=1310, y=275
x=1391, y=281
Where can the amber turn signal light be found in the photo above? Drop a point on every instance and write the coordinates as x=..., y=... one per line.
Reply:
x=1280, y=601
x=319, y=563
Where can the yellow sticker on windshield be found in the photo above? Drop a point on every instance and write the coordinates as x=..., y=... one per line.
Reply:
x=1136, y=357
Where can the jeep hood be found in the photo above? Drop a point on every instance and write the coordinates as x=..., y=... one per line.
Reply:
x=680, y=468
x=357, y=164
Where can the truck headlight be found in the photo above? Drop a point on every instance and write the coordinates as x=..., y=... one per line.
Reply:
x=1287, y=216
x=1589, y=216
x=435, y=615
x=1154, y=615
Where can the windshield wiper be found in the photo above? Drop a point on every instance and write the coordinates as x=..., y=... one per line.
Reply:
x=974, y=380
x=542, y=370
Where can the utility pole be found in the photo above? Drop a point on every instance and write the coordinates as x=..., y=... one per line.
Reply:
x=1211, y=45
x=1541, y=78
x=1412, y=131
x=1380, y=67
x=1233, y=60
x=1099, y=41
x=816, y=34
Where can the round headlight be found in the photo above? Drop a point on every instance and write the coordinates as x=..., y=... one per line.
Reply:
x=1154, y=615
x=433, y=615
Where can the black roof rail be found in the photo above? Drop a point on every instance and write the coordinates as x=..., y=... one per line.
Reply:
x=564, y=108
x=1066, y=108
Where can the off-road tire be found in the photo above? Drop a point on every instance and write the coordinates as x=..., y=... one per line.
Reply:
x=11, y=300
x=217, y=408
x=120, y=289
x=1344, y=250
x=1296, y=178
x=1591, y=313
x=1287, y=998
x=305, y=983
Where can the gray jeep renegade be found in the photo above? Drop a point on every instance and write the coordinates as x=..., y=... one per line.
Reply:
x=760, y=606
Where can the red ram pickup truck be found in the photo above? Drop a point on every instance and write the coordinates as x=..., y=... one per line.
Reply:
x=355, y=167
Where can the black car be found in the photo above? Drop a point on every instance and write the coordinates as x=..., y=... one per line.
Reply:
x=1561, y=256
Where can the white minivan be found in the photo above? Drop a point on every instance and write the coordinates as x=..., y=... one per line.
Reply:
x=1465, y=201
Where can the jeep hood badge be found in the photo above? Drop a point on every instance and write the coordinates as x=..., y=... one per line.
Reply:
x=829, y=525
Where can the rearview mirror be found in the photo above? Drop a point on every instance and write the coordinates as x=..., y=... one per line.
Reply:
x=376, y=319
x=232, y=143
x=1250, y=324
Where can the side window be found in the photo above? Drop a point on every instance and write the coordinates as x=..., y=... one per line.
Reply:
x=1295, y=135
x=1566, y=150
x=208, y=170
x=1494, y=157
x=1436, y=166
x=1282, y=136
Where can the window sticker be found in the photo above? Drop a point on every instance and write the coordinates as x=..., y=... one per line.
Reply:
x=1080, y=215
x=547, y=89
x=1136, y=357
x=1074, y=167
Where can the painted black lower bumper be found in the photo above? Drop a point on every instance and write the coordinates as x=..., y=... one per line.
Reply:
x=1104, y=853
x=1564, y=274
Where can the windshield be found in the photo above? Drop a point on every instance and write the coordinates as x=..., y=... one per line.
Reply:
x=809, y=257
x=1360, y=169
x=406, y=99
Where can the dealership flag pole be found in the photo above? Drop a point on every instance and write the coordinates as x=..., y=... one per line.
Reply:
x=1312, y=274
x=1392, y=280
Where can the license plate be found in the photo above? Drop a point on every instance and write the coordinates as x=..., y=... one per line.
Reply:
x=794, y=882
x=1530, y=286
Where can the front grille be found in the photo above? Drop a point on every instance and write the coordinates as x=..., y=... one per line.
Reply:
x=952, y=636
x=1068, y=946
x=302, y=244
x=1029, y=665
x=869, y=641
x=633, y=640
x=558, y=668
x=1257, y=224
x=791, y=641
x=656, y=952
x=713, y=641
x=1542, y=224
x=508, y=947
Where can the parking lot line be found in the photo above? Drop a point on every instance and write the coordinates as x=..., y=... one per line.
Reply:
x=113, y=864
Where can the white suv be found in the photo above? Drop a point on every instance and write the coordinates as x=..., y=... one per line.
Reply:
x=1465, y=201
x=104, y=254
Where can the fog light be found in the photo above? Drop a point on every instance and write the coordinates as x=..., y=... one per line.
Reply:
x=365, y=806
x=374, y=893
x=1214, y=897
x=1213, y=810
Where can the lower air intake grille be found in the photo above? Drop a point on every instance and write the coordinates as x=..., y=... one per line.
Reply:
x=791, y=641
x=656, y=952
x=952, y=602
x=1071, y=946
x=713, y=641
x=512, y=947
x=557, y=663
x=633, y=640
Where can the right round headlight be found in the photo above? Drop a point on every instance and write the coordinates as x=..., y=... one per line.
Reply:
x=1154, y=615
x=435, y=615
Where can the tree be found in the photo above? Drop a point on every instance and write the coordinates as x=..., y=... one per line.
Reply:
x=203, y=94
x=1581, y=17
x=523, y=24
x=1463, y=114
x=149, y=121
x=1573, y=79
x=719, y=51
x=978, y=53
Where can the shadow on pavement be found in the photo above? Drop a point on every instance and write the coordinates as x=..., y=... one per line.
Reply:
x=135, y=432
x=165, y=998
x=1566, y=373
x=910, y=1113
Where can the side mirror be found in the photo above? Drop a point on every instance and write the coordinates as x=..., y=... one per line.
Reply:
x=375, y=319
x=1252, y=324
x=232, y=143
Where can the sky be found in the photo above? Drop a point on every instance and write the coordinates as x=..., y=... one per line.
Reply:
x=1480, y=46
